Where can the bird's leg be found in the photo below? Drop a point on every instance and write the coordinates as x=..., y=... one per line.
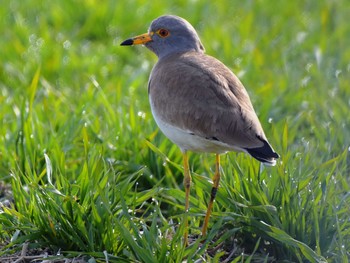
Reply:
x=214, y=189
x=187, y=185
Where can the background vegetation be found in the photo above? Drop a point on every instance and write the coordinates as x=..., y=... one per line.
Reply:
x=85, y=171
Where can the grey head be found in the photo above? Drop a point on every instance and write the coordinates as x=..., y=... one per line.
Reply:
x=169, y=34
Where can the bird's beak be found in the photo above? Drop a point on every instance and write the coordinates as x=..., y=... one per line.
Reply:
x=141, y=39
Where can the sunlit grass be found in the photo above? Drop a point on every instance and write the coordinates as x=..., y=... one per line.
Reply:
x=92, y=175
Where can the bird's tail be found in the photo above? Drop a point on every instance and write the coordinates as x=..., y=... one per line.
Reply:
x=264, y=154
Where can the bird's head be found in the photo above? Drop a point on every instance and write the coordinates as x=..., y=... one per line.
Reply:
x=168, y=34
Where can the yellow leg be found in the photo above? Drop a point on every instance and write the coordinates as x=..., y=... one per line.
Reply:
x=214, y=189
x=187, y=185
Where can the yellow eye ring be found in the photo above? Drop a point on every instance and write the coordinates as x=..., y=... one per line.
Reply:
x=163, y=32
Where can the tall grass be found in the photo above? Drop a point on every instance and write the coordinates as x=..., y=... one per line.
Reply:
x=92, y=175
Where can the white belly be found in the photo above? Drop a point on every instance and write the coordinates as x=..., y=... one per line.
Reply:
x=187, y=140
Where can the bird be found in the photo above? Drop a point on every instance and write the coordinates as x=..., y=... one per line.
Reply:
x=198, y=102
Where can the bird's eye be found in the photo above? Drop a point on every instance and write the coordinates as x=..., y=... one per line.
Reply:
x=163, y=32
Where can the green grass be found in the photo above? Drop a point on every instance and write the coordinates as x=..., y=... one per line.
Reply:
x=92, y=175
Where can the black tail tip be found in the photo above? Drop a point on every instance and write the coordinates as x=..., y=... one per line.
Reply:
x=264, y=154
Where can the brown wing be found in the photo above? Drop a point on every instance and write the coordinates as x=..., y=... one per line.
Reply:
x=207, y=99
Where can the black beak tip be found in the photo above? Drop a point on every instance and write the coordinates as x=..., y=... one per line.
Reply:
x=127, y=42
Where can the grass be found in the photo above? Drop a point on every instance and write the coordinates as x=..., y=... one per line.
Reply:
x=91, y=174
